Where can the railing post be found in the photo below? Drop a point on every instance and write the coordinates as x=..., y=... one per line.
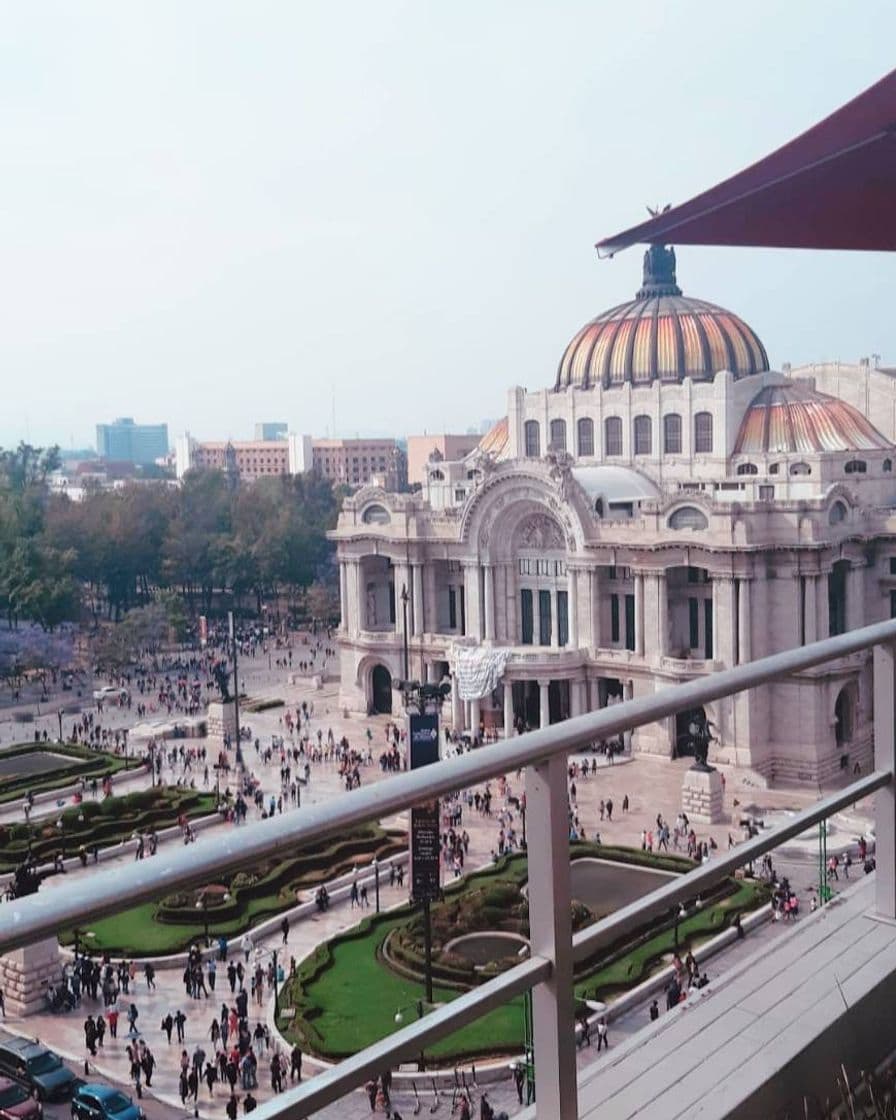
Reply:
x=885, y=799
x=550, y=934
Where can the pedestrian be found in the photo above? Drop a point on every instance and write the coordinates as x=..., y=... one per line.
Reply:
x=112, y=1016
x=519, y=1079
x=133, y=1013
x=602, y=1034
x=232, y=1106
x=249, y=1103
x=149, y=971
x=168, y=1026
x=609, y=809
x=284, y=928
x=246, y=945
x=654, y=1011
x=295, y=1064
x=625, y=804
x=179, y=1020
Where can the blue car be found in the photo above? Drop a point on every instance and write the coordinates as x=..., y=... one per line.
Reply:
x=38, y=1068
x=103, y=1102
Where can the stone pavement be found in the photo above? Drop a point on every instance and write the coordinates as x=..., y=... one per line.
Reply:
x=652, y=785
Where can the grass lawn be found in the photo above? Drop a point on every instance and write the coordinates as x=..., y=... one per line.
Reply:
x=82, y=762
x=346, y=996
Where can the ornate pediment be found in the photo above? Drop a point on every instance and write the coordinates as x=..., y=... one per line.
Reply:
x=539, y=532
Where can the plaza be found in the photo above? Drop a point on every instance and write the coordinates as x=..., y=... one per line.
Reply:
x=650, y=785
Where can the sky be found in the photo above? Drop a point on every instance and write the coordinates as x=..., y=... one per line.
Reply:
x=218, y=213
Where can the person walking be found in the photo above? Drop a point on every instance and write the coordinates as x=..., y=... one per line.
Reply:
x=232, y=1108
x=295, y=1064
x=179, y=1020
x=284, y=928
x=602, y=1034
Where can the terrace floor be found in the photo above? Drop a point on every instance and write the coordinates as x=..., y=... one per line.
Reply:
x=772, y=1028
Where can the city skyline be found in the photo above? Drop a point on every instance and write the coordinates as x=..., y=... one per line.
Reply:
x=304, y=208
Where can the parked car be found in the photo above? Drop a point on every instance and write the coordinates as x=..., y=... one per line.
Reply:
x=103, y=1102
x=16, y=1103
x=110, y=692
x=38, y=1068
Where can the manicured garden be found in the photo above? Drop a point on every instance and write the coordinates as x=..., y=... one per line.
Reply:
x=100, y=824
x=75, y=761
x=239, y=901
x=332, y=1021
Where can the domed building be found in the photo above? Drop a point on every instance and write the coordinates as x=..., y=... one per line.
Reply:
x=668, y=507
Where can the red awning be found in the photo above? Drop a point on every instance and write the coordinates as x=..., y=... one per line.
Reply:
x=834, y=187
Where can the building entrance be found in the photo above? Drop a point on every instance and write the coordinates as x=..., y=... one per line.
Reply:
x=381, y=690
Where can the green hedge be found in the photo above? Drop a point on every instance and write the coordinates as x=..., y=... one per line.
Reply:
x=105, y=824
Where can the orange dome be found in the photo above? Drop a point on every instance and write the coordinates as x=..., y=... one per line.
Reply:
x=797, y=418
x=660, y=335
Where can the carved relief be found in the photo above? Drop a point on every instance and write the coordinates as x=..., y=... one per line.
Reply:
x=540, y=532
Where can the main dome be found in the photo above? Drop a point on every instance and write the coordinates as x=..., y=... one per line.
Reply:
x=660, y=335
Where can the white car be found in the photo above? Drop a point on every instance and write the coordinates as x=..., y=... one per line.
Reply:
x=110, y=692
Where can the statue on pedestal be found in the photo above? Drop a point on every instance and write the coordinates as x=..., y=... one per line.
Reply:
x=222, y=680
x=700, y=733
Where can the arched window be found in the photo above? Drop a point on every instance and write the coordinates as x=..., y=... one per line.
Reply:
x=375, y=515
x=856, y=466
x=748, y=468
x=703, y=433
x=599, y=507
x=672, y=434
x=643, y=435
x=558, y=435
x=774, y=468
x=533, y=439
x=612, y=436
x=586, y=437
x=436, y=476
x=888, y=466
x=688, y=517
x=837, y=513
x=800, y=468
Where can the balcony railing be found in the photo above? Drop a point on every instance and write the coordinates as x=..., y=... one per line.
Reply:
x=549, y=969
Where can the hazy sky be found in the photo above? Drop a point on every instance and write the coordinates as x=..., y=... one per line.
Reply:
x=214, y=213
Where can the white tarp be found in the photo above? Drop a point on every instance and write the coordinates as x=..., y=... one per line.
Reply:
x=477, y=670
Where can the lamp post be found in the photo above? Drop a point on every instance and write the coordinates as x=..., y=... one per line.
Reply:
x=523, y=819
x=421, y=1008
x=236, y=691
x=202, y=905
x=259, y=953
x=60, y=828
x=680, y=914
x=404, y=614
x=59, y=717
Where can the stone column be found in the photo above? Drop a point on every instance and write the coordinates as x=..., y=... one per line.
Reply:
x=544, y=705
x=576, y=697
x=475, y=716
x=457, y=708
x=508, y=708
x=723, y=620
x=472, y=600
x=639, y=614
x=489, y=577
x=430, y=599
x=811, y=610
x=822, y=613
x=594, y=612
x=572, y=581
x=628, y=692
x=744, y=622
x=355, y=611
x=855, y=596
x=662, y=596
x=343, y=596
x=417, y=598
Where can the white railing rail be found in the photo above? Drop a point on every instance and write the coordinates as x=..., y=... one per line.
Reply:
x=549, y=970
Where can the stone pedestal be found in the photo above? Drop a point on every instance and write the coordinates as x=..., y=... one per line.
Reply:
x=221, y=722
x=701, y=796
x=25, y=974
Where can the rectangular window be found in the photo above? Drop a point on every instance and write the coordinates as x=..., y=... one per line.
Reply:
x=766, y=493
x=836, y=602
x=893, y=604
x=526, y=617
x=672, y=434
x=630, y=622
x=544, y=618
x=893, y=565
x=452, y=609
x=694, y=623
x=563, y=618
x=392, y=602
x=707, y=623
x=463, y=610
x=614, y=619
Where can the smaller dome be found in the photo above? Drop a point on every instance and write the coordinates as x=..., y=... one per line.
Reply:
x=795, y=418
x=496, y=441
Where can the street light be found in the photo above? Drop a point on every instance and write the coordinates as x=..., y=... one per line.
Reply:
x=680, y=915
x=259, y=953
x=60, y=828
x=59, y=717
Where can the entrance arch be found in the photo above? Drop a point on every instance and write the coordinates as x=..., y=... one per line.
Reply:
x=845, y=716
x=381, y=690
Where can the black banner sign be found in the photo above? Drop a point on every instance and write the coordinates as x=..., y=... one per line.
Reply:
x=423, y=739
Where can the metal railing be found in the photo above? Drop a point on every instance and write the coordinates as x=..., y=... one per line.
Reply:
x=548, y=971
